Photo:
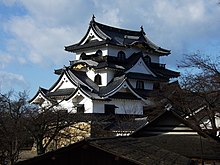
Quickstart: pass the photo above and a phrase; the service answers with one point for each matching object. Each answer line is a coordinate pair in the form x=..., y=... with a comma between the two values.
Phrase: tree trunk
x=40, y=148
x=12, y=161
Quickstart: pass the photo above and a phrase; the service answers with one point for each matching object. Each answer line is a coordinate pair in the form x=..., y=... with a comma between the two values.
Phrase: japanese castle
x=114, y=72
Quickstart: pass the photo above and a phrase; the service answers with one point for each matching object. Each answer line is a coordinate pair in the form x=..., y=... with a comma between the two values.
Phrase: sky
x=33, y=33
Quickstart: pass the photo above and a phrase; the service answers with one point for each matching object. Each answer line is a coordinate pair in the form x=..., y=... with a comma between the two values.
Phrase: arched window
x=121, y=55
x=99, y=53
x=147, y=59
x=139, y=84
x=98, y=79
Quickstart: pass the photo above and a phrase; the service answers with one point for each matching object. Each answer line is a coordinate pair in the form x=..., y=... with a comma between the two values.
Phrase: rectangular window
x=140, y=84
x=80, y=108
x=110, y=109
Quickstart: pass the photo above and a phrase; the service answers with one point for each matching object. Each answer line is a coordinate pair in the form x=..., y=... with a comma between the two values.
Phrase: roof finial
x=93, y=17
x=92, y=20
x=142, y=29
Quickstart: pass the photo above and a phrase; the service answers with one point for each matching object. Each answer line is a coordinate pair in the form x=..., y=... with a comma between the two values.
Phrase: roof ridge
x=116, y=28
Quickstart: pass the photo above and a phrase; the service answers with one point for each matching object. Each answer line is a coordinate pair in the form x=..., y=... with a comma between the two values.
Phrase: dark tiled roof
x=86, y=45
x=131, y=125
x=166, y=72
x=116, y=36
x=109, y=65
x=43, y=90
x=135, y=151
x=168, y=122
x=105, y=90
x=58, y=71
x=123, y=95
x=83, y=79
x=142, y=76
x=162, y=73
x=165, y=132
x=61, y=92
x=191, y=146
x=140, y=151
x=133, y=59
x=143, y=92
x=90, y=93
x=80, y=78
x=126, y=37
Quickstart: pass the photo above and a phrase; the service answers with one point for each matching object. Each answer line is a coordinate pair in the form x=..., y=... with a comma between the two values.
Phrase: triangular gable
x=167, y=123
x=121, y=94
x=39, y=97
x=90, y=36
x=124, y=85
x=84, y=92
x=140, y=67
x=63, y=82
x=76, y=93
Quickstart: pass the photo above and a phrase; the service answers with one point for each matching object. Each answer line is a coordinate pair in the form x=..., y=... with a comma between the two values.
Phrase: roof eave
x=75, y=48
x=41, y=91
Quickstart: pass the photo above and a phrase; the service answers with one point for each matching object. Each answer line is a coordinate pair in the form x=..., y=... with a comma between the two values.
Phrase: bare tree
x=13, y=136
x=45, y=124
x=50, y=123
x=20, y=122
x=198, y=96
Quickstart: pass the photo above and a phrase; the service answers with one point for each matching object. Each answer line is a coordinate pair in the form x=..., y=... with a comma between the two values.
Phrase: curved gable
x=63, y=82
x=39, y=97
x=90, y=36
x=140, y=67
x=120, y=87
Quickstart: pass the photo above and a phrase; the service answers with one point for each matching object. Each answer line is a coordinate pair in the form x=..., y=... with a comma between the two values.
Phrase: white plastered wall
x=98, y=106
x=68, y=105
x=107, y=76
x=80, y=98
x=124, y=106
x=128, y=52
x=113, y=51
x=107, y=50
x=88, y=105
x=154, y=58
x=91, y=74
x=129, y=106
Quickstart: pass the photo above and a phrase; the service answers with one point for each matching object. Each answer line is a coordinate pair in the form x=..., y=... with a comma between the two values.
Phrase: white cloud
x=182, y=26
x=42, y=45
x=5, y=59
x=8, y=2
x=36, y=38
x=59, y=12
x=21, y=60
x=50, y=25
x=11, y=81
